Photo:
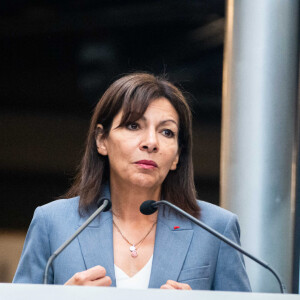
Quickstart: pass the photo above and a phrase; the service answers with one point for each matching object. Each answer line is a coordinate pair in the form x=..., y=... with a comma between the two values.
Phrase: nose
x=149, y=142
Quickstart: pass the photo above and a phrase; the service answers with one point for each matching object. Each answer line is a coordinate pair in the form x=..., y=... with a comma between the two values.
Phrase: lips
x=146, y=164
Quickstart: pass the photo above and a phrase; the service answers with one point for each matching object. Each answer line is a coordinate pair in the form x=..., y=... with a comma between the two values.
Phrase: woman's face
x=142, y=153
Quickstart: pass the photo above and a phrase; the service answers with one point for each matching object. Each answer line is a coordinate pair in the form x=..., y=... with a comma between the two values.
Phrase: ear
x=175, y=162
x=100, y=140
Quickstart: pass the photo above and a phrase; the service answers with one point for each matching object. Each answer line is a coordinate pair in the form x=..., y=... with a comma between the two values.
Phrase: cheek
x=118, y=153
x=170, y=156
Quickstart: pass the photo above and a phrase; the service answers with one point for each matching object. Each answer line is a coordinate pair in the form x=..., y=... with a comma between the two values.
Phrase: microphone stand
x=105, y=206
x=223, y=238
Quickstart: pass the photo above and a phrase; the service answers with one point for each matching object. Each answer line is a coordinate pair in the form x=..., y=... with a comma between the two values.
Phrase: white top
x=139, y=281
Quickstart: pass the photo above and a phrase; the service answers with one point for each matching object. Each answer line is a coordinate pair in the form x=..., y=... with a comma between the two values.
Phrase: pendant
x=133, y=251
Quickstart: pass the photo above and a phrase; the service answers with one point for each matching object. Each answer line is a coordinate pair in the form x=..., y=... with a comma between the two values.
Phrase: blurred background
x=58, y=57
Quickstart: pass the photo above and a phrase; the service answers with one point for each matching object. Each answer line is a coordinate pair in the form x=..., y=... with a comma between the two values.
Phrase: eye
x=168, y=133
x=132, y=126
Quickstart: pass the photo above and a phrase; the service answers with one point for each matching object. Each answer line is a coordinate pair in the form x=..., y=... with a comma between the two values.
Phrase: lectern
x=59, y=292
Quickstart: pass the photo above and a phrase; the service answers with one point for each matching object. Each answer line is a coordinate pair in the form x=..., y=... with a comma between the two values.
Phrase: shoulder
x=70, y=204
x=59, y=211
x=51, y=225
x=212, y=215
x=209, y=209
x=215, y=216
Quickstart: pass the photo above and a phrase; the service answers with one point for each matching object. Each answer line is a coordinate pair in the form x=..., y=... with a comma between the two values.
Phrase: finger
x=104, y=281
x=173, y=283
x=184, y=286
x=91, y=274
x=179, y=285
x=94, y=273
x=167, y=287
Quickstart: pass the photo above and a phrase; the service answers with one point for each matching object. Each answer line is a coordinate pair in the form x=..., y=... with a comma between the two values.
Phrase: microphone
x=150, y=206
x=103, y=204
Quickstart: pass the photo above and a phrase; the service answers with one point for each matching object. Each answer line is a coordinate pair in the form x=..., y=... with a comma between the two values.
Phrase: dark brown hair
x=133, y=93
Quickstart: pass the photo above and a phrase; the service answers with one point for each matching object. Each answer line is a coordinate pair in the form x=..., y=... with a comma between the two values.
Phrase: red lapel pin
x=176, y=227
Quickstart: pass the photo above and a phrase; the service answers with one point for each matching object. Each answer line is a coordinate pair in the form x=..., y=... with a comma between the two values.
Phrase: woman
x=138, y=148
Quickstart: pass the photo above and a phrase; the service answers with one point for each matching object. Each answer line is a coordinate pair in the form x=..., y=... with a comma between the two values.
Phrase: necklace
x=133, y=247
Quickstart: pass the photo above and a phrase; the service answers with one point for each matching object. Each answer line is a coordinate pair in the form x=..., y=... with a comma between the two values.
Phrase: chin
x=145, y=182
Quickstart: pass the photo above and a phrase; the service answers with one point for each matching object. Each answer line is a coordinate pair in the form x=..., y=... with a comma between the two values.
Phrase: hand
x=94, y=276
x=174, y=285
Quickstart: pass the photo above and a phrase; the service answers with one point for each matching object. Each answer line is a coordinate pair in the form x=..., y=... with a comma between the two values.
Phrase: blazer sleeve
x=36, y=252
x=230, y=272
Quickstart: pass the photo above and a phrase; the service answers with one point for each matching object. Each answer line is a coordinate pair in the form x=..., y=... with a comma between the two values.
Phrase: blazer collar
x=172, y=241
x=96, y=241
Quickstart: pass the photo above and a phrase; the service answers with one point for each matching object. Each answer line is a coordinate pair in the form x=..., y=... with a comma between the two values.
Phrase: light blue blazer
x=187, y=254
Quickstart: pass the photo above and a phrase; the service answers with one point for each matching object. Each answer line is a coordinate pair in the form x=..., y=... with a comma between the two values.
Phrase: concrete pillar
x=258, y=131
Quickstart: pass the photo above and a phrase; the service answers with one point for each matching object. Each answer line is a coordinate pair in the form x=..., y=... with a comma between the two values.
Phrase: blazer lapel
x=172, y=241
x=96, y=243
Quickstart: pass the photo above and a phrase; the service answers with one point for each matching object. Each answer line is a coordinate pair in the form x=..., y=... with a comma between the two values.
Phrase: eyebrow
x=143, y=118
